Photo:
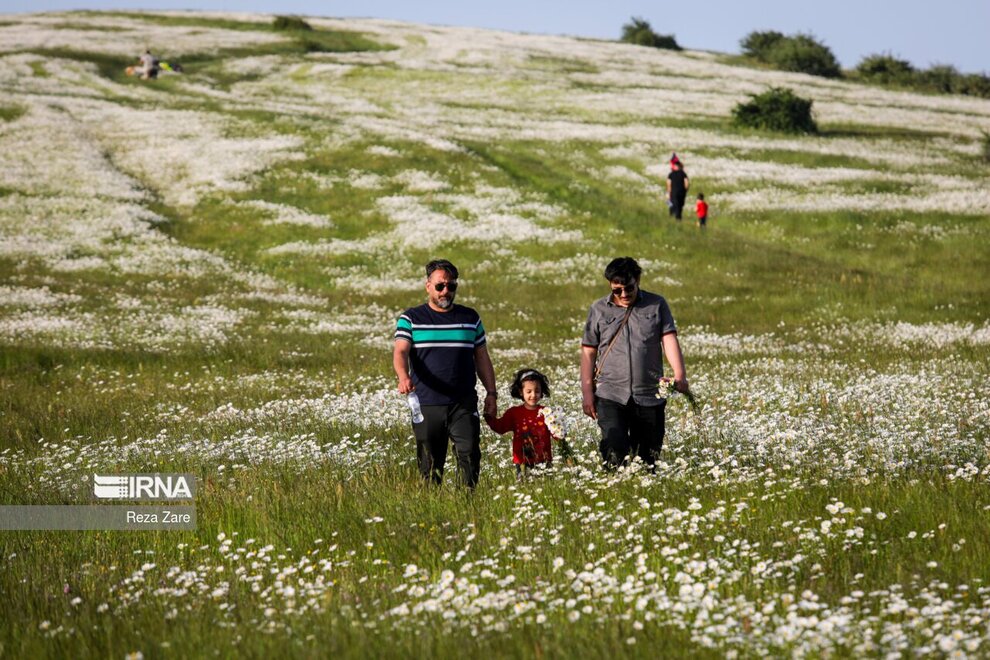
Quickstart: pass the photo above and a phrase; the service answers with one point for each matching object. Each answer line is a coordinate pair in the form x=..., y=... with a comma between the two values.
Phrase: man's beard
x=444, y=303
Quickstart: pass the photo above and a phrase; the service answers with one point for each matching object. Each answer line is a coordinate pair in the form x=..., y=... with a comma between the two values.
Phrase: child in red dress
x=701, y=209
x=531, y=440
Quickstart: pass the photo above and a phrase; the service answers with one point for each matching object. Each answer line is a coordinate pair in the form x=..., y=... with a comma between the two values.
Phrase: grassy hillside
x=202, y=273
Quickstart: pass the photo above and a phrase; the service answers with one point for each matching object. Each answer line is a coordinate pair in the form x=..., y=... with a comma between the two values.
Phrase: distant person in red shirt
x=701, y=210
x=531, y=440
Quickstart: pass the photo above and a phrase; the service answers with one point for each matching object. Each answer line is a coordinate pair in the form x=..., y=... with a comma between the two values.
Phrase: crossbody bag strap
x=601, y=360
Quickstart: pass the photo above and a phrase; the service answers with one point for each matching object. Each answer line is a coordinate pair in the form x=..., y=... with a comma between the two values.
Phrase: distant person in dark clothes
x=701, y=210
x=677, y=187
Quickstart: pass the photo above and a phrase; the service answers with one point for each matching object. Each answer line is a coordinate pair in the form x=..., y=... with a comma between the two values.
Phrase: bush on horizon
x=801, y=53
x=638, y=31
x=973, y=84
x=291, y=23
x=758, y=44
x=946, y=79
x=884, y=68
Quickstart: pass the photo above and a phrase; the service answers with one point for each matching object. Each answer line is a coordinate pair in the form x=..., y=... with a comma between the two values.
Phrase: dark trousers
x=458, y=423
x=677, y=204
x=630, y=428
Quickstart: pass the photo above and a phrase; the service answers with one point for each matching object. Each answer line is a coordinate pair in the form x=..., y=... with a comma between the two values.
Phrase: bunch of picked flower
x=557, y=424
x=666, y=388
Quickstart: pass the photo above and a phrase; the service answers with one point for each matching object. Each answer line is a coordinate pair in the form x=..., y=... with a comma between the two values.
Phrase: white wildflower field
x=202, y=274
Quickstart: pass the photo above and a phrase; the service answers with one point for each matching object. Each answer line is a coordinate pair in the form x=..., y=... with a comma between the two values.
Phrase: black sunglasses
x=440, y=286
x=629, y=288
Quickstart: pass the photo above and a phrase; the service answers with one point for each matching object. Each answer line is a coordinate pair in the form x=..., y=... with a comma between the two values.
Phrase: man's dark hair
x=441, y=264
x=528, y=374
x=623, y=270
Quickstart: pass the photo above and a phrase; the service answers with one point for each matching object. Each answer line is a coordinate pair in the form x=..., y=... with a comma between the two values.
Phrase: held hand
x=682, y=386
x=588, y=404
x=491, y=406
x=406, y=385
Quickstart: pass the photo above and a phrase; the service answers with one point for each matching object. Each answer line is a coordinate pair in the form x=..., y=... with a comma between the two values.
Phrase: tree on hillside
x=638, y=31
x=759, y=44
x=885, y=68
x=939, y=78
x=805, y=54
x=800, y=52
x=974, y=84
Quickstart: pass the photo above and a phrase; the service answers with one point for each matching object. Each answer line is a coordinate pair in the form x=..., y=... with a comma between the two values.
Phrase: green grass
x=296, y=43
x=90, y=27
x=786, y=157
x=421, y=526
x=562, y=64
x=306, y=40
x=109, y=66
x=11, y=112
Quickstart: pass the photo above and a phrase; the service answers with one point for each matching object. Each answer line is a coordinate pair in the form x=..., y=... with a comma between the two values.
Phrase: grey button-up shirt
x=635, y=363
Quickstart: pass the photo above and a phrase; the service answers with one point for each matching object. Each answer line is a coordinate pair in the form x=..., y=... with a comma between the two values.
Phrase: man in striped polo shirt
x=440, y=352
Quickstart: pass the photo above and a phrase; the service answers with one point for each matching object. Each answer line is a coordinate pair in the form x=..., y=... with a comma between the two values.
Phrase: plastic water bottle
x=414, y=407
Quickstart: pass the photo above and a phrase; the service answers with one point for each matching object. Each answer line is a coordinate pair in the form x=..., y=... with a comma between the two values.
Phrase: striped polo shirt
x=442, y=355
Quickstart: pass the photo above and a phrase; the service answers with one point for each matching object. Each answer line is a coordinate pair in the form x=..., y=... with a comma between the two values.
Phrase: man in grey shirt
x=622, y=362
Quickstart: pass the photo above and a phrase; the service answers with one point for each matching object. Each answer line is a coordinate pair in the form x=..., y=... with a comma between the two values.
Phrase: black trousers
x=629, y=428
x=457, y=423
x=677, y=204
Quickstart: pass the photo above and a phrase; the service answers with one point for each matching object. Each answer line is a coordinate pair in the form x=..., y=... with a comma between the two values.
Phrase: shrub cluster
x=291, y=23
x=805, y=54
x=777, y=109
x=885, y=69
x=758, y=44
x=313, y=40
x=889, y=70
x=801, y=52
x=638, y=31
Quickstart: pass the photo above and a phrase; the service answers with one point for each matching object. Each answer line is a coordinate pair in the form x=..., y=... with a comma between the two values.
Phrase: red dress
x=531, y=437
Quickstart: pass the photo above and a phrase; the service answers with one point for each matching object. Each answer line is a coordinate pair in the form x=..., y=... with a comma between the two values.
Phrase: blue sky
x=925, y=32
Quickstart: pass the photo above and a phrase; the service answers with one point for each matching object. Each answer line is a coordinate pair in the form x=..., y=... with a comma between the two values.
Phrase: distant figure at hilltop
x=149, y=67
x=677, y=187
